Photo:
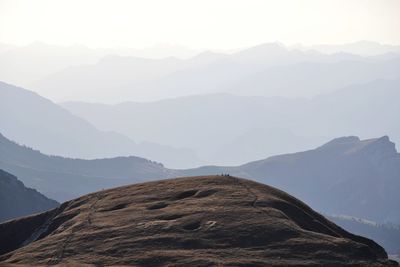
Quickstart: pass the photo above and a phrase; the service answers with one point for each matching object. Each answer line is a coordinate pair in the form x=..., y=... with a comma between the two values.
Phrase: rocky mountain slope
x=197, y=221
x=344, y=176
x=16, y=200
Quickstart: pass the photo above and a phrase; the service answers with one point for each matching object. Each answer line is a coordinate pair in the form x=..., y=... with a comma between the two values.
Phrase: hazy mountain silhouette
x=363, y=48
x=37, y=122
x=230, y=130
x=127, y=77
x=207, y=124
x=312, y=78
x=268, y=70
x=75, y=71
x=19, y=64
x=16, y=200
x=196, y=221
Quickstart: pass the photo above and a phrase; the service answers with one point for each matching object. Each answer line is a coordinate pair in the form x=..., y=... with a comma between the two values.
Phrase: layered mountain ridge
x=67, y=178
x=37, y=122
x=249, y=128
x=334, y=178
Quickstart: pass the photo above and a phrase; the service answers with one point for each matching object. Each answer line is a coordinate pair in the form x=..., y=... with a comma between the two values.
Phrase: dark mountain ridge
x=66, y=178
x=16, y=200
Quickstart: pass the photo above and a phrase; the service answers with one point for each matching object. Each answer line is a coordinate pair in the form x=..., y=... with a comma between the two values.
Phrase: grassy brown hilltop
x=195, y=221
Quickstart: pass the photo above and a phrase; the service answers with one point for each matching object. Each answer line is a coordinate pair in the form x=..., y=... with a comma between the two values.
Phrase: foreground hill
x=16, y=200
x=197, y=221
x=32, y=120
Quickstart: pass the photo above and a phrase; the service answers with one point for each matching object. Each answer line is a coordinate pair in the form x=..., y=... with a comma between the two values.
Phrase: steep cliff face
x=196, y=221
x=16, y=200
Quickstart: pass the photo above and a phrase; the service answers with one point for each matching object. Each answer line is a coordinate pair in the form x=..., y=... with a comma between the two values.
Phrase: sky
x=213, y=24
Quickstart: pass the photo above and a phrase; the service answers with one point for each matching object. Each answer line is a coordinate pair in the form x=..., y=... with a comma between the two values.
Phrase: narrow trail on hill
x=254, y=201
x=57, y=258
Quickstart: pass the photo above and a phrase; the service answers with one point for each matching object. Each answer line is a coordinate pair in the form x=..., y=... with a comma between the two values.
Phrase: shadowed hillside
x=65, y=178
x=16, y=200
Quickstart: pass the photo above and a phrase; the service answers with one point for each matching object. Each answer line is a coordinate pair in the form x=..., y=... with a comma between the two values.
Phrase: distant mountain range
x=212, y=125
x=18, y=64
x=192, y=131
x=363, y=48
x=115, y=75
x=37, y=122
x=16, y=200
x=228, y=129
x=264, y=70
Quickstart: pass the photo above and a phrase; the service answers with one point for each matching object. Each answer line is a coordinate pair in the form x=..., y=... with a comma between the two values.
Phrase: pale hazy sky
x=218, y=24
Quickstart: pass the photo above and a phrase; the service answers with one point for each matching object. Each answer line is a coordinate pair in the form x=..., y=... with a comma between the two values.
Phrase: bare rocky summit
x=195, y=221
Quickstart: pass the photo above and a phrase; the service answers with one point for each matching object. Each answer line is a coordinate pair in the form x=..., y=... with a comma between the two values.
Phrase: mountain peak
x=376, y=148
x=266, y=48
x=341, y=141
